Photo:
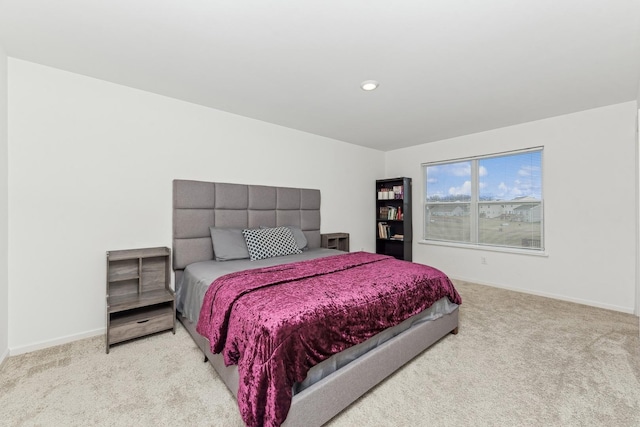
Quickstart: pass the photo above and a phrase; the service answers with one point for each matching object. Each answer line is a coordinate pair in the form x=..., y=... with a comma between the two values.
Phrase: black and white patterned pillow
x=270, y=242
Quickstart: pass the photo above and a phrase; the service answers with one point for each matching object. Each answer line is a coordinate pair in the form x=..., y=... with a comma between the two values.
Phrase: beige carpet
x=519, y=360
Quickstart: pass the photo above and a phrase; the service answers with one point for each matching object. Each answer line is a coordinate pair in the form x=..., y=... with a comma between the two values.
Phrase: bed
x=205, y=209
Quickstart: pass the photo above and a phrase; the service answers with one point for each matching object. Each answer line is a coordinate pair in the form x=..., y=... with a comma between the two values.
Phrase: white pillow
x=298, y=234
x=270, y=242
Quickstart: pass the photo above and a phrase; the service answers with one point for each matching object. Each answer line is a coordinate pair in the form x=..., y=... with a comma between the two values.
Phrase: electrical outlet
x=483, y=260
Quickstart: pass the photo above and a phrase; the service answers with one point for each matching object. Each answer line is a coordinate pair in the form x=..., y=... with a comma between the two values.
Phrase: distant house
x=512, y=210
x=491, y=210
x=529, y=213
x=520, y=209
x=446, y=210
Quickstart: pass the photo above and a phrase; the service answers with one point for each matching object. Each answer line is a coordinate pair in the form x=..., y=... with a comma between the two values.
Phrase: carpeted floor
x=519, y=360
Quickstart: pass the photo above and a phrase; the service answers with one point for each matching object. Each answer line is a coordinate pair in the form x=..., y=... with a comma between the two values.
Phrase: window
x=494, y=200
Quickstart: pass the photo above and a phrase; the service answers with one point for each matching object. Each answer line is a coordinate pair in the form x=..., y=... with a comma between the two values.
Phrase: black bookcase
x=394, y=233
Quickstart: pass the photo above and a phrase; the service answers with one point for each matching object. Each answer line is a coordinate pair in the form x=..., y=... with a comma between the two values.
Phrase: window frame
x=474, y=203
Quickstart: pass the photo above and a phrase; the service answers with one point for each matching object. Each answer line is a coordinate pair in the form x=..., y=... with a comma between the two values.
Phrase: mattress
x=198, y=276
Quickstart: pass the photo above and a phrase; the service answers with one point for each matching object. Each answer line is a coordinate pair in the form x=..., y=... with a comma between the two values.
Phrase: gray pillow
x=301, y=239
x=228, y=244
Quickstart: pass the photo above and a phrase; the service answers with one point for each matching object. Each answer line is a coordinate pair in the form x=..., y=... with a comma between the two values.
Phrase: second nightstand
x=339, y=241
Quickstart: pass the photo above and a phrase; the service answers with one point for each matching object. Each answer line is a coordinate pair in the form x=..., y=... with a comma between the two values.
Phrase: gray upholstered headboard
x=198, y=205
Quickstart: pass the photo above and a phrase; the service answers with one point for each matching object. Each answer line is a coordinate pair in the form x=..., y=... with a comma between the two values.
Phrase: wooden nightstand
x=140, y=300
x=339, y=241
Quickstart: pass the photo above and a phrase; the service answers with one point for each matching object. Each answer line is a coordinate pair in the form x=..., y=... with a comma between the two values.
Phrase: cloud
x=461, y=169
x=482, y=171
x=432, y=174
x=528, y=170
x=519, y=189
x=516, y=192
x=465, y=189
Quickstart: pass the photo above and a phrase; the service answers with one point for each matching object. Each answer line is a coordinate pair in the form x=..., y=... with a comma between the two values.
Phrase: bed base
x=320, y=402
x=198, y=205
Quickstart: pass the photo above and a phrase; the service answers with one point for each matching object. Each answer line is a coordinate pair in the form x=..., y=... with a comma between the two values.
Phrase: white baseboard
x=628, y=310
x=57, y=341
x=3, y=357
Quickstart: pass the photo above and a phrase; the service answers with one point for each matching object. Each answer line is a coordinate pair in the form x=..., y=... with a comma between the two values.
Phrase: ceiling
x=446, y=68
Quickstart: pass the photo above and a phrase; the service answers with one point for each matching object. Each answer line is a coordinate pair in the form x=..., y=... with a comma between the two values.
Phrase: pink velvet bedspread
x=277, y=322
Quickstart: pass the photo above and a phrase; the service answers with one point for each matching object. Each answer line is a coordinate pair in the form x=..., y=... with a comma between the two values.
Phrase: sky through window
x=505, y=177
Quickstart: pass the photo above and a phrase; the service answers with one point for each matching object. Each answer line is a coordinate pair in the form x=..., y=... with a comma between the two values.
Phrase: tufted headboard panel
x=198, y=205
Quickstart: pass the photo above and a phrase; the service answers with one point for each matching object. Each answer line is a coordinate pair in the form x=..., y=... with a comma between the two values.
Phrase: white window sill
x=471, y=246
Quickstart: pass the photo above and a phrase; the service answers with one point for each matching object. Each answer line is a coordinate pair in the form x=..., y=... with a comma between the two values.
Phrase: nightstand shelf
x=127, y=302
x=139, y=298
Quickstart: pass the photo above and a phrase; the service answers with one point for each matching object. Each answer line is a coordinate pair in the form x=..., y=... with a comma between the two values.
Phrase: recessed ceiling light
x=369, y=85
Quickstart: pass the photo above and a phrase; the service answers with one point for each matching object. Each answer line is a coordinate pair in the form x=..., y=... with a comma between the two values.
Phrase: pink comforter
x=277, y=322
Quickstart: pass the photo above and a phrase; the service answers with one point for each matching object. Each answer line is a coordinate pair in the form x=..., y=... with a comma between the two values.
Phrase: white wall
x=4, y=224
x=638, y=207
x=638, y=204
x=590, y=209
x=90, y=170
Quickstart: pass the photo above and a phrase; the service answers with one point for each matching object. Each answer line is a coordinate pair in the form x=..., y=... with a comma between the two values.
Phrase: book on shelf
x=398, y=191
x=383, y=212
x=397, y=237
x=393, y=213
x=390, y=212
x=384, y=230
